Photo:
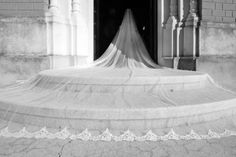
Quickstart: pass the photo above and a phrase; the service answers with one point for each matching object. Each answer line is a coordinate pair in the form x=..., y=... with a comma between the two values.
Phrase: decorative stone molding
x=191, y=31
x=67, y=32
x=53, y=7
x=75, y=6
x=76, y=12
x=180, y=32
x=174, y=8
x=169, y=49
x=180, y=26
x=192, y=19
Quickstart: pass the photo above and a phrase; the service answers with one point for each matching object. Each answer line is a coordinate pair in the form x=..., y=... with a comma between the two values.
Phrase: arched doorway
x=108, y=15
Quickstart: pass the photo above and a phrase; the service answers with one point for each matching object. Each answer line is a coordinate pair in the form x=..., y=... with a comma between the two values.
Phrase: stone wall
x=23, y=39
x=218, y=41
x=22, y=48
x=22, y=7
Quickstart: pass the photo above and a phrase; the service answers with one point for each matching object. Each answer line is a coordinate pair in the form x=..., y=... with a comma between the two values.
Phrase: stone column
x=180, y=28
x=169, y=31
x=191, y=30
x=53, y=10
x=179, y=34
x=188, y=58
x=75, y=29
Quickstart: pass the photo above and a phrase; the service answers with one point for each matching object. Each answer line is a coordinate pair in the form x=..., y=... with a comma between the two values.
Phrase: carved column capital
x=169, y=34
x=75, y=6
x=53, y=6
x=193, y=18
x=173, y=15
x=193, y=7
x=191, y=31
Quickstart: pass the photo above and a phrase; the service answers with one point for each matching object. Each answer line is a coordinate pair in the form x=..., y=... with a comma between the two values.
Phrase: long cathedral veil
x=127, y=48
x=123, y=89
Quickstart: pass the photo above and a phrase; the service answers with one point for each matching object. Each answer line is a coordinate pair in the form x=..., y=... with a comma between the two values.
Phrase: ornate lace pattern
x=107, y=135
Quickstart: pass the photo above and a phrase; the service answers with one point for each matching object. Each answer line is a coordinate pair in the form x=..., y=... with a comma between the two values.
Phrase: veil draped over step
x=124, y=89
x=127, y=49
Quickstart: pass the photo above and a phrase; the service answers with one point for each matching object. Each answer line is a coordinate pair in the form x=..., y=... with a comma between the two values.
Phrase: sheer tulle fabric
x=127, y=49
x=123, y=78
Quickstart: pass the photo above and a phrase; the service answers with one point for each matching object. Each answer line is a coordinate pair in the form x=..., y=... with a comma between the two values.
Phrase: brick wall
x=22, y=7
x=219, y=11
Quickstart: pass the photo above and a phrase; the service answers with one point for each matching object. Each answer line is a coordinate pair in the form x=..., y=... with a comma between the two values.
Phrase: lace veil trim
x=108, y=136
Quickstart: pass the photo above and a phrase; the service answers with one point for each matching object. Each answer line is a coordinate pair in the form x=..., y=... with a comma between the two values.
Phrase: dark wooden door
x=108, y=17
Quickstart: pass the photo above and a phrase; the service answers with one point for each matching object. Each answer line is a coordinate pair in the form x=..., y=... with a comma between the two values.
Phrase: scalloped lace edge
x=107, y=135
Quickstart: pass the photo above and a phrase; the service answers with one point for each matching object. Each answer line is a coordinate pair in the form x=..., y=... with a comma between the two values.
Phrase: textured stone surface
x=218, y=10
x=218, y=40
x=23, y=36
x=221, y=68
x=23, y=48
x=12, y=147
x=22, y=67
x=218, y=53
x=22, y=7
x=14, y=68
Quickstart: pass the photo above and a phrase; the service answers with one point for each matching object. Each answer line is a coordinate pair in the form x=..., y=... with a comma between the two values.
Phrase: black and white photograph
x=117, y=78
